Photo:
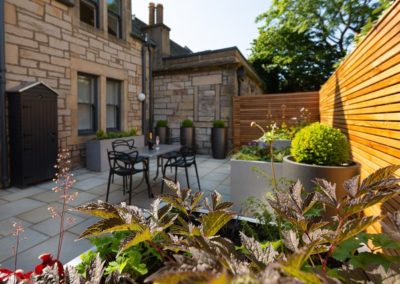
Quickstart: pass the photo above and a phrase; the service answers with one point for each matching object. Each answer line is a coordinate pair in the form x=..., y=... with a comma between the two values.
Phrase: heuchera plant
x=64, y=182
x=194, y=252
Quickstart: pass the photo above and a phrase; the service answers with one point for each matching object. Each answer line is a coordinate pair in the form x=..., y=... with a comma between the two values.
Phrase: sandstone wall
x=202, y=96
x=46, y=41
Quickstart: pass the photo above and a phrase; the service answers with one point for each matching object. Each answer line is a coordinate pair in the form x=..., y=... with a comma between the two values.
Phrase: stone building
x=197, y=86
x=85, y=51
x=98, y=58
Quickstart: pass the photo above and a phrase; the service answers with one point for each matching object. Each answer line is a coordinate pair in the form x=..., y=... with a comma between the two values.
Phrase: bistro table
x=162, y=149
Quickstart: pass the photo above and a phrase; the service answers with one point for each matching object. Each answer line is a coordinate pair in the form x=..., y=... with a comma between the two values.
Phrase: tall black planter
x=187, y=137
x=219, y=142
x=163, y=134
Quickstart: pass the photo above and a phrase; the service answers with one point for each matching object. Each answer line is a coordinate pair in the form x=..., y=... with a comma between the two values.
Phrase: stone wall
x=202, y=96
x=46, y=41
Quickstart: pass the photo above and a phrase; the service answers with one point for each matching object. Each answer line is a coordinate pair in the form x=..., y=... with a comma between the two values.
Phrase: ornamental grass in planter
x=320, y=151
x=187, y=132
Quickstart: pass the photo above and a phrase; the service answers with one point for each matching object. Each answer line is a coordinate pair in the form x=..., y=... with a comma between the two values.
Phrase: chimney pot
x=160, y=14
x=152, y=11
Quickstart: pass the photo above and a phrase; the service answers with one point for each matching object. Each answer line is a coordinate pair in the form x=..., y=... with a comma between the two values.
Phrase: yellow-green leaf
x=139, y=237
x=213, y=221
x=108, y=226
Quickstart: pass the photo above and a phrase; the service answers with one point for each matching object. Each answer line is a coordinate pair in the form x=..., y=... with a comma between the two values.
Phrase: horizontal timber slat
x=362, y=98
x=279, y=107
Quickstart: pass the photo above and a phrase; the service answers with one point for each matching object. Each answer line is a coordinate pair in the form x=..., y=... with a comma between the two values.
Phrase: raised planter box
x=247, y=182
x=96, y=152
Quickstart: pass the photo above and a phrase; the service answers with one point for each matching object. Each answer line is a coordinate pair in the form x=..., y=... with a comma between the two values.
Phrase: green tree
x=301, y=41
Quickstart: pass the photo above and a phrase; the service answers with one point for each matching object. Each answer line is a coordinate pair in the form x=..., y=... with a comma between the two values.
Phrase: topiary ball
x=320, y=144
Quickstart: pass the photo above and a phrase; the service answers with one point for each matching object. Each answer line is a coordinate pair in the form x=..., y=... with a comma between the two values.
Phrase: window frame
x=96, y=5
x=119, y=20
x=94, y=105
x=119, y=106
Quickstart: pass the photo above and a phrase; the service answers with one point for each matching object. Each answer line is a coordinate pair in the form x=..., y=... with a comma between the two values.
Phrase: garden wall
x=268, y=108
x=362, y=98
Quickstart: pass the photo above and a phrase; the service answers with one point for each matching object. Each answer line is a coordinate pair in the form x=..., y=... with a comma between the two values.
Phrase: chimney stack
x=160, y=14
x=152, y=11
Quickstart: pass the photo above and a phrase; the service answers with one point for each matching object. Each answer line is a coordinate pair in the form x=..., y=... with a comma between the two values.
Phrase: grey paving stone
x=47, y=185
x=224, y=189
x=2, y=201
x=216, y=177
x=83, y=197
x=83, y=176
x=47, y=196
x=17, y=207
x=102, y=189
x=88, y=183
x=6, y=226
x=38, y=214
x=70, y=249
x=51, y=226
x=28, y=239
x=24, y=193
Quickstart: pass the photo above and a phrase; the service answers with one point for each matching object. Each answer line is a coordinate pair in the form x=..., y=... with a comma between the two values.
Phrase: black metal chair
x=126, y=145
x=185, y=159
x=168, y=156
x=123, y=164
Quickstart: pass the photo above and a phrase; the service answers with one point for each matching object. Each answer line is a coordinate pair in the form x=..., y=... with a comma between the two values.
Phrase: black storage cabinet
x=32, y=133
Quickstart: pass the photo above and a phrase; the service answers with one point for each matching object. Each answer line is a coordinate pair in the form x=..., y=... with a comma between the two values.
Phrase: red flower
x=48, y=261
x=19, y=274
x=4, y=274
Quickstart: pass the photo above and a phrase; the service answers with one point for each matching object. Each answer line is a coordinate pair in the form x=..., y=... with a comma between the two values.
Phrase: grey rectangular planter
x=96, y=152
x=247, y=182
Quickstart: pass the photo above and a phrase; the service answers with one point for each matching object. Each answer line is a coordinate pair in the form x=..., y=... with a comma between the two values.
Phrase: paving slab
x=83, y=197
x=71, y=248
x=51, y=226
x=28, y=239
x=82, y=226
x=6, y=226
x=39, y=214
x=88, y=183
x=22, y=193
x=47, y=196
x=17, y=207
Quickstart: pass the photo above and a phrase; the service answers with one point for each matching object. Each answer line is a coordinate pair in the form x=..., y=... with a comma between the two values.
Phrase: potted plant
x=320, y=151
x=96, y=149
x=187, y=133
x=219, y=139
x=162, y=131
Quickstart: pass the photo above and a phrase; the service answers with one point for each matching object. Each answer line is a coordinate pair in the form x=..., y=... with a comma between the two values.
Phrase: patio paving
x=29, y=207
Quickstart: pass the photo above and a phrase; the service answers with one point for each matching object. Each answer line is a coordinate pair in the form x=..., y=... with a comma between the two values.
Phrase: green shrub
x=162, y=123
x=100, y=134
x=219, y=124
x=320, y=144
x=187, y=123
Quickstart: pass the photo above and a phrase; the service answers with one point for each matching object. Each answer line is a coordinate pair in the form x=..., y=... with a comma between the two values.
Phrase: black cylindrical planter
x=163, y=134
x=187, y=136
x=219, y=142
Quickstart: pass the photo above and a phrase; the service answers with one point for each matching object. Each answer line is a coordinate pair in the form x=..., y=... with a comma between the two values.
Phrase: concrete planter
x=307, y=173
x=96, y=152
x=219, y=142
x=187, y=136
x=163, y=134
x=246, y=182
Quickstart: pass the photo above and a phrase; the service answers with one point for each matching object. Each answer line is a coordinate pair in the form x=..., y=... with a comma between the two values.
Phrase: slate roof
x=176, y=49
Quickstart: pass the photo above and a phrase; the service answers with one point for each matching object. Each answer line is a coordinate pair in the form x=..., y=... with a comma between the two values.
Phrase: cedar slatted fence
x=279, y=107
x=362, y=98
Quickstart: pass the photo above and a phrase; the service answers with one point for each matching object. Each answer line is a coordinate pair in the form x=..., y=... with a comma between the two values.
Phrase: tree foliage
x=301, y=41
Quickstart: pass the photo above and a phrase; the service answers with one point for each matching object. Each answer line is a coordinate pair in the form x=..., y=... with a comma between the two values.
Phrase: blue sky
x=209, y=24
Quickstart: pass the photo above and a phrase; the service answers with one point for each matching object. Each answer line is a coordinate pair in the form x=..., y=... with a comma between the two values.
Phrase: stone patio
x=30, y=208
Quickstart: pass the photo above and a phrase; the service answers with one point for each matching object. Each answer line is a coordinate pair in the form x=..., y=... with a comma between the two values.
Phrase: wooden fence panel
x=269, y=108
x=362, y=98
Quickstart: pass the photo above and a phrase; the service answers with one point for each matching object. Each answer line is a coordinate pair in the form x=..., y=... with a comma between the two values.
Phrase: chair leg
x=197, y=176
x=176, y=173
x=187, y=177
x=162, y=182
x=151, y=195
x=108, y=186
x=130, y=189
x=123, y=184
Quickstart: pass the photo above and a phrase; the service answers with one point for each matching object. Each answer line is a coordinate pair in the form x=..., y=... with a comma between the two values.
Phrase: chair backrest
x=122, y=160
x=188, y=154
x=122, y=144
